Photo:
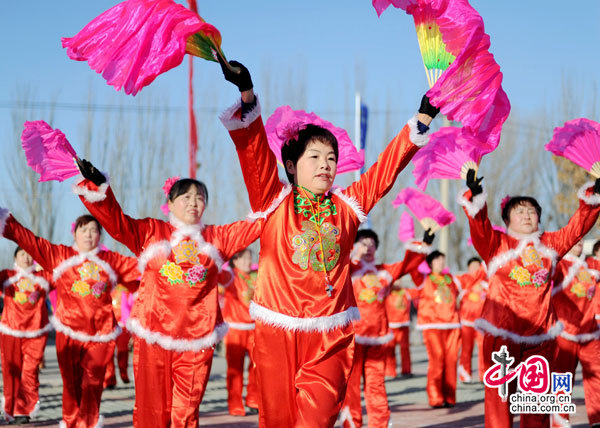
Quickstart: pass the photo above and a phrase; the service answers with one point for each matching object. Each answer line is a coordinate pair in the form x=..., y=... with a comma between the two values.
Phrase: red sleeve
x=380, y=177
x=579, y=225
x=234, y=237
x=3, y=278
x=45, y=253
x=127, y=271
x=259, y=164
x=102, y=204
x=411, y=261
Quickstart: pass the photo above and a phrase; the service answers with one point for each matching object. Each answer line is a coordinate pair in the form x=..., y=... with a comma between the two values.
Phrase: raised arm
x=234, y=237
x=127, y=271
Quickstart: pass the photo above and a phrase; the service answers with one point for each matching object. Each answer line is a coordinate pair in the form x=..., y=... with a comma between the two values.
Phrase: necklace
x=316, y=213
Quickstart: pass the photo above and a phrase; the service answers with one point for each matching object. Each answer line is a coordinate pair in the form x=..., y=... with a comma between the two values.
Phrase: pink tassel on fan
x=285, y=124
x=579, y=141
x=48, y=152
x=406, y=228
x=429, y=212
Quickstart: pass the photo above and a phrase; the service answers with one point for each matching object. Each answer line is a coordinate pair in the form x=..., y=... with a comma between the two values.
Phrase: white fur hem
x=581, y=338
x=352, y=203
x=485, y=326
x=25, y=334
x=82, y=337
x=232, y=123
x=438, y=326
x=4, y=213
x=592, y=199
x=373, y=341
x=320, y=324
x=465, y=323
x=286, y=190
x=399, y=324
x=417, y=139
x=417, y=247
x=473, y=207
x=90, y=195
x=558, y=420
x=241, y=325
x=179, y=345
x=463, y=375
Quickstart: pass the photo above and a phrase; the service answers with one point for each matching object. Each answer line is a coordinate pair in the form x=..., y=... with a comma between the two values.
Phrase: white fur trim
x=484, y=325
x=27, y=273
x=473, y=207
x=438, y=326
x=501, y=259
x=418, y=247
x=398, y=324
x=83, y=337
x=100, y=423
x=36, y=410
x=80, y=258
x=581, y=338
x=593, y=199
x=62, y=424
x=286, y=322
x=26, y=334
x=373, y=341
x=286, y=190
x=462, y=373
x=352, y=203
x=178, y=345
x=231, y=123
x=241, y=325
x=465, y=323
x=346, y=416
x=417, y=139
x=557, y=420
x=90, y=195
x=576, y=264
x=7, y=417
x=365, y=267
x=160, y=248
x=4, y=213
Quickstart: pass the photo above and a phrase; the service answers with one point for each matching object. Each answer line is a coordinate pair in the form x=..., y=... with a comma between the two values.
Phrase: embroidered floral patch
x=584, y=276
x=540, y=277
x=34, y=297
x=25, y=284
x=473, y=297
x=530, y=256
x=195, y=274
x=578, y=289
x=521, y=275
x=186, y=251
x=367, y=295
x=20, y=297
x=89, y=270
x=98, y=288
x=591, y=291
x=323, y=209
x=250, y=280
x=399, y=300
x=308, y=246
x=81, y=287
x=172, y=272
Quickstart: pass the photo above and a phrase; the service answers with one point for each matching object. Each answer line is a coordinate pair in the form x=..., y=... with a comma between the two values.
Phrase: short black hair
x=432, y=256
x=294, y=148
x=17, y=251
x=473, y=260
x=240, y=254
x=82, y=220
x=596, y=247
x=367, y=233
x=182, y=186
x=520, y=200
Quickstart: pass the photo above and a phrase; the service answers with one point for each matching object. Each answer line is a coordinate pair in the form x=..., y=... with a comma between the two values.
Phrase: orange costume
x=304, y=340
x=517, y=311
x=84, y=322
x=122, y=302
x=573, y=300
x=437, y=317
x=176, y=320
x=371, y=285
x=472, y=297
x=24, y=331
x=239, y=341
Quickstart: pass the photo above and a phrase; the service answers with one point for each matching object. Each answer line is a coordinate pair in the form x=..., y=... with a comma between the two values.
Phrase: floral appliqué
x=89, y=270
x=399, y=299
x=98, y=288
x=584, y=286
x=521, y=275
x=530, y=256
x=20, y=297
x=540, y=277
x=250, y=281
x=442, y=294
x=172, y=272
x=24, y=286
x=195, y=274
x=89, y=273
x=81, y=287
x=307, y=208
x=186, y=251
x=374, y=290
x=308, y=248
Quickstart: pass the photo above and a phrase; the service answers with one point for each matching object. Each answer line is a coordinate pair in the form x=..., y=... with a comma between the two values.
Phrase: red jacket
x=238, y=295
x=472, y=297
x=438, y=297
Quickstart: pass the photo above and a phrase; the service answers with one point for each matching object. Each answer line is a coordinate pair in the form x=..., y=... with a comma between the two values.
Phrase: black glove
x=242, y=79
x=597, y=186
x=427, y=108
x=90, y=172
x=473, y=183
x=428, y=237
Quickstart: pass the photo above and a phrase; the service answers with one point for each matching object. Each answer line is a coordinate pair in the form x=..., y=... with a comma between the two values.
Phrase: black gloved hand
x=242, y=79
x=597, y=186
x=474, y=183
x=90, y=172
x=428, y=237
x=427, y=108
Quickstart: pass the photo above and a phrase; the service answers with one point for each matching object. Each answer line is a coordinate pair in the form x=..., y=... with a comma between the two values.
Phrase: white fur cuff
x=417, y=139
x=418, y=247
x=473, y=207
x=232, y=123
x=91, y=195
x=593, y=199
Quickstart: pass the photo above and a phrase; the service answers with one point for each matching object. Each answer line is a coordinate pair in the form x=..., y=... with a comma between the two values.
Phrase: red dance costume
x=472, y=297
x=372, y=336
x=24, y=331
x=437, y=317
x=239, y=341
x=176, y=320
x=573, y=299
x=122, y=303
x=84, y=322
x=304, y=340
x=517, y=311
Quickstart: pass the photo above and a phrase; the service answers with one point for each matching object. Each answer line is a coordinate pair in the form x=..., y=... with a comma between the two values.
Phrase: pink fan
x=406, y=228
x=450, y=155
x=135, y=41
x=48, y=152
x=285, y=124
x=498, y=228
x=429, y=212
x=578, y=141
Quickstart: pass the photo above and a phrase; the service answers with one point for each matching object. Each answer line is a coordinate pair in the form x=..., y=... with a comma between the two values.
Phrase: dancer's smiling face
x=316, y=168
x=189, y=206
